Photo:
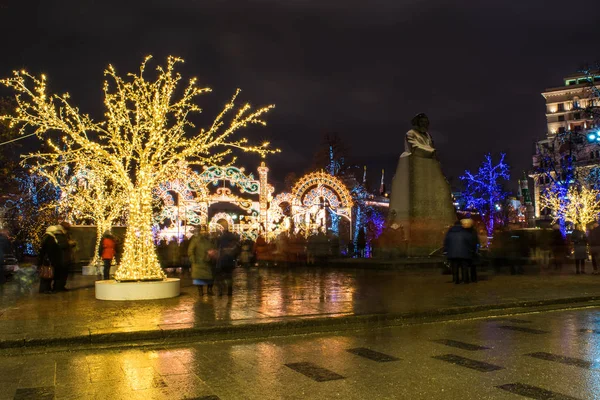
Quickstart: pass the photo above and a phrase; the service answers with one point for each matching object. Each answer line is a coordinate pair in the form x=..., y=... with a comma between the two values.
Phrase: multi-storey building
x=572, y=138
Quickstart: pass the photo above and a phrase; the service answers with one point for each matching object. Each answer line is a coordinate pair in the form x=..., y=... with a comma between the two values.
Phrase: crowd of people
x=212, y=258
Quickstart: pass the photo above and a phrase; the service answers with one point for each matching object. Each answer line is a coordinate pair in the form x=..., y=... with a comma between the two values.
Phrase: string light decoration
x=141, y=142
x=86, y=197
x=307, y=193
x=581, y=205
x=484, y=189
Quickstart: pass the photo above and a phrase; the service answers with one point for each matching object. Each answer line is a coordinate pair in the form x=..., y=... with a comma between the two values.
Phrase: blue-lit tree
x=484, y=190
x=31, y=210
x=331, y=157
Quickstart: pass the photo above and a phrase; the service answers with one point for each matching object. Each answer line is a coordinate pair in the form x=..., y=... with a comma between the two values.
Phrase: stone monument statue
x=421, y=200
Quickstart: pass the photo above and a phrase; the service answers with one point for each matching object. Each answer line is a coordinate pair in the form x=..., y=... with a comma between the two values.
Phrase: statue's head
x=420, y=122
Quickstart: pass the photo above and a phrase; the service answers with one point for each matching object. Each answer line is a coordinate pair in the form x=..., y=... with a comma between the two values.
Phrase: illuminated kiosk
x=140, y=290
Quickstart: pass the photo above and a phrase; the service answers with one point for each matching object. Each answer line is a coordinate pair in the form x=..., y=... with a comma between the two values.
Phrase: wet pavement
x=468, y=359
x=265, y=297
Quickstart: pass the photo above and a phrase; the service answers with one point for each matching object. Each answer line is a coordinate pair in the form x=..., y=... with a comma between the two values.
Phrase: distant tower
x=382, y=185
x=526, y=201
x=365, y=175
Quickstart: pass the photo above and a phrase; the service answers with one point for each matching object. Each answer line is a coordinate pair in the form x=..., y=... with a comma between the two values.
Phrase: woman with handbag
x=51, y=258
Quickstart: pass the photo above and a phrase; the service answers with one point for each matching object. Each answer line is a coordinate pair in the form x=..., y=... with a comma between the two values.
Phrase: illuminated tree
x=581, y=205
x=483, y=190
x=86, y=197
x=139, y=144
x=31, y=210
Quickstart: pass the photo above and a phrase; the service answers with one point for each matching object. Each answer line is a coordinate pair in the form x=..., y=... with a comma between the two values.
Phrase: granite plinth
x=421, y=203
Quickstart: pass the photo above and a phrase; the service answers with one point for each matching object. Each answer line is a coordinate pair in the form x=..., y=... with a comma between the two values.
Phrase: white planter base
x=90, y=270
x=152, y=290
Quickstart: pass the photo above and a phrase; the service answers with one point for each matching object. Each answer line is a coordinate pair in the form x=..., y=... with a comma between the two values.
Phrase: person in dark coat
x=60, y=279
x=594, y=240
x=54, y=246
x=579, y=240
x=228, y=250
x=459, y=248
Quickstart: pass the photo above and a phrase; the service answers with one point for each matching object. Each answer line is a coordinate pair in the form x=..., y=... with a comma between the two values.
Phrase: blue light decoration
x=593, y=137
x=483, y=190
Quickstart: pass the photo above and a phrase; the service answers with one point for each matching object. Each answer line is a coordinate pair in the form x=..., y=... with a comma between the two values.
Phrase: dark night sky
x=359, y=68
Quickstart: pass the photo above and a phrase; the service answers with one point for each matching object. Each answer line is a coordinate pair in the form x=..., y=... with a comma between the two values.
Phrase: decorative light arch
x=306, y=201
x=214, y=225
x=199, y=190
x=317, y=179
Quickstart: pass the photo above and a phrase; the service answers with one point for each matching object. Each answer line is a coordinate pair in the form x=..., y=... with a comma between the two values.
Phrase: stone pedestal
x=421, y=203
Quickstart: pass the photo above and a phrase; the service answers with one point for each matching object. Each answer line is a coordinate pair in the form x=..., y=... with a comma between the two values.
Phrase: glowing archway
x=317, y=196
x=214, y=225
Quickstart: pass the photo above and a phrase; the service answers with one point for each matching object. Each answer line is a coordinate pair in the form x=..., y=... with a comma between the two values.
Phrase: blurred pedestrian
x=459, y=248
x=468, y=226
x=579, y=240
x=184, y=260
x=108, y=250
x=246, y=253
x=199, y=255
x=558, y=247
x=262, y=251
x=52, y=252
x=228, y=251
x=544, y=248
x=594, y=240
x=311, y=249
x=173, y=253
x=4, y=251
x=60, y=280
x=361, y=243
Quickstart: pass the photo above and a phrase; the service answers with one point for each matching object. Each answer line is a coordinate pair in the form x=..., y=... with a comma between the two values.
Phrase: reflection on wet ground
x=268, y=295
x=414, y=362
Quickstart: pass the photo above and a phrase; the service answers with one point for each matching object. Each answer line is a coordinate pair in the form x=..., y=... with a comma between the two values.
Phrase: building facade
x=572, y=138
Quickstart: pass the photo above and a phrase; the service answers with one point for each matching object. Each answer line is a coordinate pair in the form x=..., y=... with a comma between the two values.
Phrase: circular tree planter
x=149, y=290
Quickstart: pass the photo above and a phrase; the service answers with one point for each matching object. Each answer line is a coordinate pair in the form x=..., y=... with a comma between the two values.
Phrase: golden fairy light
x=579, y=206
x=140, y=143
x=86, y=197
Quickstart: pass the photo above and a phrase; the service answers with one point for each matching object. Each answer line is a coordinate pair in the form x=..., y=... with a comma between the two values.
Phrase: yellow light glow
x=581, y=205
x=140, y=143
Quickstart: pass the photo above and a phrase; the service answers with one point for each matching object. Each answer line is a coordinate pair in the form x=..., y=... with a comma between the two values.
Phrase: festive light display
x=313, y=197
x=581, y=205
x=140, y=143
x=87, y=197
x=483, y=190
x=316, y=193
x=194, y=193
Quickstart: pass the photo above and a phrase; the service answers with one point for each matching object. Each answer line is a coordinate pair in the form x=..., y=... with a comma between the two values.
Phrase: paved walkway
x=268, y=297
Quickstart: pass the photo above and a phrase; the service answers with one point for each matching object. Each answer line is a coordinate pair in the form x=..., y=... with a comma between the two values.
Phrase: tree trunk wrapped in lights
x=140, y=143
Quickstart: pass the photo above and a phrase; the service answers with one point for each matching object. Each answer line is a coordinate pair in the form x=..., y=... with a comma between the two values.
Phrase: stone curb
x=274, y=326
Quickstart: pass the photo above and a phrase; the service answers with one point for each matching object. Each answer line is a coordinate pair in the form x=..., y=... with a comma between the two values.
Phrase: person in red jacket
x=108, y=250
